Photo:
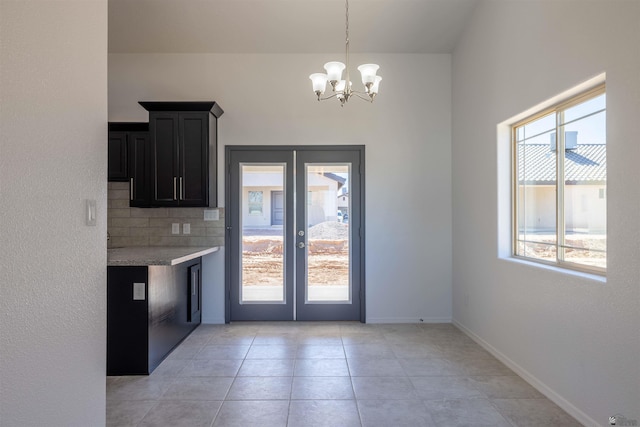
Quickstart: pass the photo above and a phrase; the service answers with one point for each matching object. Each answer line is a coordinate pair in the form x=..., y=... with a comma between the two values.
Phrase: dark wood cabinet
x=183, y=153
x=139, y=169
x=150, y=310
x=195, y=290
x=129, y=159
x=117, y=170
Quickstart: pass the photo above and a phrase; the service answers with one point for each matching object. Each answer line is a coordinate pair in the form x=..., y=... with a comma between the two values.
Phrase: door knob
x=301, y=245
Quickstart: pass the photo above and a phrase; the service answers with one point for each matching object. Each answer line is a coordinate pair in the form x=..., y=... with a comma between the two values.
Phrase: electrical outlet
x=211, y=214
x=186, y=228
x=175, y=228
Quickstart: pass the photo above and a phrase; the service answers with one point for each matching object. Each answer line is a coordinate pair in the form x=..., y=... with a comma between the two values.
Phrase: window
x=560, y=174
x=255, y=202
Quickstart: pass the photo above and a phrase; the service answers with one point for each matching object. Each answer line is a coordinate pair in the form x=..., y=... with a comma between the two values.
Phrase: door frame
x=358, y=237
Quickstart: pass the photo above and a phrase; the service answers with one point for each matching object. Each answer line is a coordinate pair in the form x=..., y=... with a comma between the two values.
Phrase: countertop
x=155, y=255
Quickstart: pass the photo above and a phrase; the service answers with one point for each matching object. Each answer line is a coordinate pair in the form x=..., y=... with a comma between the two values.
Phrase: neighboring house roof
x=587, y=164
x=335, y=177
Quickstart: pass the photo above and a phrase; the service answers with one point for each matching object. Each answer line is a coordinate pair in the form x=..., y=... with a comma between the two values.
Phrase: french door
x=295, y=241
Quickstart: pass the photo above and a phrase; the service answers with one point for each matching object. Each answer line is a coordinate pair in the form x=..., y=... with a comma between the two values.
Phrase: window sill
x=589, y=276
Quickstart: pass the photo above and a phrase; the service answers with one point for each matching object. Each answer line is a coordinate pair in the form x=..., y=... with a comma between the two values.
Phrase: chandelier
x=342, y=88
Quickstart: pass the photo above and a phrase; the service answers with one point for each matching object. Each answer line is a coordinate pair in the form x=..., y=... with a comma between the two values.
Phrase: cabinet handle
x=130, y=188
x=193, y=283
x=181, y=188
x=174, y=188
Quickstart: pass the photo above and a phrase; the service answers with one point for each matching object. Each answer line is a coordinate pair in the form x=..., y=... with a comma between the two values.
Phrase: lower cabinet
x=150, y=310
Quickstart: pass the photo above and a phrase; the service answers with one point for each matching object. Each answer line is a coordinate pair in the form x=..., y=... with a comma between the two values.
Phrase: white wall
x=268, y=101
x=573, y=336
x=53, y=127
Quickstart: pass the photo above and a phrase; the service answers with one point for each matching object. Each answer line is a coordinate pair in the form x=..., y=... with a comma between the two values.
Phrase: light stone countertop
x=155, y=255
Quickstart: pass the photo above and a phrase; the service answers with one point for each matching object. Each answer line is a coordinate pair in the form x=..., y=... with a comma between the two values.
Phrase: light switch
x=138, y=292
x=175, y=228
x=186, y=228
x=91, y=212
x=211, y=214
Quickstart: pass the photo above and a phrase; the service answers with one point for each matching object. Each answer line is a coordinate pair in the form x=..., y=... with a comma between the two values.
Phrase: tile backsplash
x=152, y=226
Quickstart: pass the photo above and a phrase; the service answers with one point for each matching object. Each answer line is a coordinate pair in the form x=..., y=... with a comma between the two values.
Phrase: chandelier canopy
x=341, y=89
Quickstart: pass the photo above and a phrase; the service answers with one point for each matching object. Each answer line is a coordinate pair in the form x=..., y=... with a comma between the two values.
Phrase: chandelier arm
x=328, y=97
x=357, y=94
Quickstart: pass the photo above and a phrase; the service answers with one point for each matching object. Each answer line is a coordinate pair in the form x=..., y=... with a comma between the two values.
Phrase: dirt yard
x=592, y=254
x=328, y=245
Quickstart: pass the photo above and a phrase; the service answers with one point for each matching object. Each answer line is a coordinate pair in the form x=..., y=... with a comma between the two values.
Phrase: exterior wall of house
x=321, y=198
x=584, y=208
x=406, y=131
x=343, y=203
x=255, y=218
x=53, y=157
x=572, y=335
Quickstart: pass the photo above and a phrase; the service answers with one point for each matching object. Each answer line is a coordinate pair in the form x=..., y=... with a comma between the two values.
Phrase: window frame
x=556, y=109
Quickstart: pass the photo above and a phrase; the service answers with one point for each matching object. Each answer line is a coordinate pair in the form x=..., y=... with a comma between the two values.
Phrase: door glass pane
x=262, y=222
x=328, y=208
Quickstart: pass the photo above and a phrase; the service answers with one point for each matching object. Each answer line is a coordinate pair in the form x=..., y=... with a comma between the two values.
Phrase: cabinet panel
x=117, y=156
x=164, y=145
x=194, y=162
x=194, y=290
x=139, y=169
x=127, y=330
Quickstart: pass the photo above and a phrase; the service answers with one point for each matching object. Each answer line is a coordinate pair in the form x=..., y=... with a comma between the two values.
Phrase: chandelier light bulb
x=334, y=70
x=341, y=86
x=319, y=82
x=374, y=87
x=368, y=72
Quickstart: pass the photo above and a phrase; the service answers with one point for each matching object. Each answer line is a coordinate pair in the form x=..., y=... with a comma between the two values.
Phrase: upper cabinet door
x=139, y=169
x=118, y=156
x=194, y=159
x=164, y=158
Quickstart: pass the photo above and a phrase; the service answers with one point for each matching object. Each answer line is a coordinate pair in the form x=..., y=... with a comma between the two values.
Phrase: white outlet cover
x=175, y=228
x=211, y=214
x=186, y=228
x=138, y=291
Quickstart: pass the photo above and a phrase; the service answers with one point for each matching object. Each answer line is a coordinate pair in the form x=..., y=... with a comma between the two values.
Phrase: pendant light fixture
x=342, y=88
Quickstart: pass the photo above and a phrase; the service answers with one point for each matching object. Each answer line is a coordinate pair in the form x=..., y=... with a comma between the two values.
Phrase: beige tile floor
x=335, y=374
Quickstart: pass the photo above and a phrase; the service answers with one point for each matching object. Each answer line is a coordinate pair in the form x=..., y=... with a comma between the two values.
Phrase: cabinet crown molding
x=210, y=106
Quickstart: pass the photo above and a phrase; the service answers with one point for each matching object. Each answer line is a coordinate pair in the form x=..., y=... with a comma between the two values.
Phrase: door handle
x=301, y=245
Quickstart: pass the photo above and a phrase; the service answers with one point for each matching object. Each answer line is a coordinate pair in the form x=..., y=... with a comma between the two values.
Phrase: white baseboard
x=213, y=320
x=408, y=319
x=532, y=380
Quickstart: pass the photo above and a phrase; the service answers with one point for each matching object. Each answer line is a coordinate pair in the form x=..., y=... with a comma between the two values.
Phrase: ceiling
x=285, y=26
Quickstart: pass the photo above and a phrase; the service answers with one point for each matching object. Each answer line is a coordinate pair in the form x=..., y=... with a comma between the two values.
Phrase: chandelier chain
x=347, y=21
x=347, y=88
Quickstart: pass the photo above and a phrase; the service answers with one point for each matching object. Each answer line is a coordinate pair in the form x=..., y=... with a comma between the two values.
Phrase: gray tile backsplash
x=152, y=227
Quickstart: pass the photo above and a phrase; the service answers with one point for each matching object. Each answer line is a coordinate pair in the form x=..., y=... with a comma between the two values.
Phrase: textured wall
x=575, y=337
x=268, y=101
x=53, y=123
